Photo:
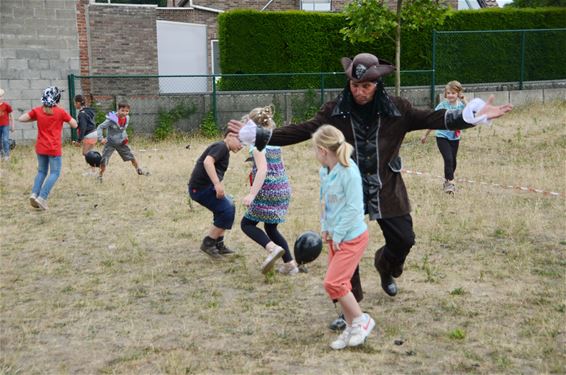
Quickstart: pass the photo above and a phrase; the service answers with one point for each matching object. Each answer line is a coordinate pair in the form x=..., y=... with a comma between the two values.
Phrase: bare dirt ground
x=110, y=279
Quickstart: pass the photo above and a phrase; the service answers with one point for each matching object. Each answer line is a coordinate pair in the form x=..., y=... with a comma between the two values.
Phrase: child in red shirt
x=6, y=124
x=50, y=119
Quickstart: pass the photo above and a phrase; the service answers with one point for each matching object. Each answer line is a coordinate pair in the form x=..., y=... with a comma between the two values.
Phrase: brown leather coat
x=385, y=194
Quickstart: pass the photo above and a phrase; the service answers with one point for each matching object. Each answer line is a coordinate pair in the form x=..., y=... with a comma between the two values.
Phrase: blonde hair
x=332, y=139
x=2, y=92
x=456, y=87
x=262, y=116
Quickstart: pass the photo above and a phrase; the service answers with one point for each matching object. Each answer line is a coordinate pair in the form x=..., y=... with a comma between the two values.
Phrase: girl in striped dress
x=268, y=199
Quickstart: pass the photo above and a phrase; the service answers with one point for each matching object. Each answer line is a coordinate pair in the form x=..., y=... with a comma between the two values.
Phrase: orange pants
x=342, y=264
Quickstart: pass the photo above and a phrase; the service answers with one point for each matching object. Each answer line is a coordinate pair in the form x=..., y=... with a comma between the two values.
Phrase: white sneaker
x=32, y=201
x=361, y=328
x=42, y=203
x=269, y=262
x=343, y=340
x=289, y=268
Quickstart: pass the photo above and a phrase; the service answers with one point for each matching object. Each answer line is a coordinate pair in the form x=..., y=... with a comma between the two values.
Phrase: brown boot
x=383, y=266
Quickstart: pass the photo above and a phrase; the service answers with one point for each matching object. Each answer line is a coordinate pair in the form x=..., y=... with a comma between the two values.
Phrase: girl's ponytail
x=343, y=152
x=332, y=139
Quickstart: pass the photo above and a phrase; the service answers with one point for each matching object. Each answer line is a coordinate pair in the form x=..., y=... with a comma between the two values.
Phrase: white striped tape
x=513, y=187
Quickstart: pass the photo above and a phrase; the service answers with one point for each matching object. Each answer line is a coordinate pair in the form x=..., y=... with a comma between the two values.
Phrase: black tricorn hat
x=366, y=67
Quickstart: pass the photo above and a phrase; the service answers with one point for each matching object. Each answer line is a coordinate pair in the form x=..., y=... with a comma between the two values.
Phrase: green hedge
x=295, y=41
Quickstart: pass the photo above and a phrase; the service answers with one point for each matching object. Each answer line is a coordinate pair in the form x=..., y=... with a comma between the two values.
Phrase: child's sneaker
x=99, y=179
x=361, y=328
x=269, y=262
x=343, y=340
x=42, y=203
x=209, y=247
x=289, y=268
x=449, y=187
x=223, y=249
x=338, y=324
x=33, y=201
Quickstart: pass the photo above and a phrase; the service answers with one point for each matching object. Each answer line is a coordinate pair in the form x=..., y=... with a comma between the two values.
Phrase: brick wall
x=123, y=40
x=83, y=44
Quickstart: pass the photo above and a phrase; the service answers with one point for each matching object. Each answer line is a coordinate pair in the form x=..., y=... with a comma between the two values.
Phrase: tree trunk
x=398, y=50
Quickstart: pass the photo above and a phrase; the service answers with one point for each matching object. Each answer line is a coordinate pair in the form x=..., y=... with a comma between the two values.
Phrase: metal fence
x=498, y=56
x=214, y=98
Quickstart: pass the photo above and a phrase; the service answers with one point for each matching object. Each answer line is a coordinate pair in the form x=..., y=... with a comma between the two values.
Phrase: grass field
x=110, y=279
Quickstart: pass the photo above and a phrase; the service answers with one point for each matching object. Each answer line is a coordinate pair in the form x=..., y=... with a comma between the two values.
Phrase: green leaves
x=367, y=20
x=418, y=14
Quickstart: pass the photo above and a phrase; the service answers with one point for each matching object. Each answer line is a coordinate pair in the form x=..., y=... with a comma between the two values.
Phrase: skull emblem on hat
x=360, y=71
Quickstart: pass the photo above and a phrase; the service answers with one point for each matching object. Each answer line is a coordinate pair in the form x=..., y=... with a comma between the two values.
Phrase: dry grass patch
x=110, y=279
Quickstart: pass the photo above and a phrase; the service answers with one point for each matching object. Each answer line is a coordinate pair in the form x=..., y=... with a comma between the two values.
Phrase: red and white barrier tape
x=513, y=187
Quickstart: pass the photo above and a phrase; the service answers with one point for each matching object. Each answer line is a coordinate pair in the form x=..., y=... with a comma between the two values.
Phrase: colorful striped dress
x=272, y=201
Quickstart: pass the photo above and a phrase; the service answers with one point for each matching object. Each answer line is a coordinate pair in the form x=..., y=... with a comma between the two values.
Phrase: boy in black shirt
x=206, y=188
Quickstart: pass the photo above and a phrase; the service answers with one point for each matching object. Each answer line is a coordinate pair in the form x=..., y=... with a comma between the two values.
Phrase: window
x=161, y=3
x=215, y=56
x=316, y=5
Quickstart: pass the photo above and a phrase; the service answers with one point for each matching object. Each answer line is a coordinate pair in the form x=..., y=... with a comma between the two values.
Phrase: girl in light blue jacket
x=343, y=228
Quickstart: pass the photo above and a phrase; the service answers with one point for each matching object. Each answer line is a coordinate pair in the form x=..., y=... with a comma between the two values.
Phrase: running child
x=50, y=119
x=206, y=188
x=449, y=140
x=117, y=139
x=268, y=199
x=6, y=126
x=87, y=134
x=343, y=228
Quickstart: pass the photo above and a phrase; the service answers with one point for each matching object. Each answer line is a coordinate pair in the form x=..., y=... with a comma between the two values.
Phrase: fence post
x=214, y=100
x=72, y=110
x=522, y=74
x=433, y=73
x=321, y=88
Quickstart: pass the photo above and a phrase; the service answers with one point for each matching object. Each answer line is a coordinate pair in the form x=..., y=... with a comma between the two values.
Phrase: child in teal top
x=448, y=141
x=343, y=228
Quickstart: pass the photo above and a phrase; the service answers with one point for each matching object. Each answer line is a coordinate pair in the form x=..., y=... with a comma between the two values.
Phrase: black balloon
x=308, y=247
x=93, y=158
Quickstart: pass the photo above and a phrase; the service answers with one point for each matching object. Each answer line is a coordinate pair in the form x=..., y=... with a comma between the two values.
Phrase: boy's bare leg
x=215, y=232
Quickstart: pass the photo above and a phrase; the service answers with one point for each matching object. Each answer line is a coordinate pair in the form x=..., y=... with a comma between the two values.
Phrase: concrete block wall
x=38, y=48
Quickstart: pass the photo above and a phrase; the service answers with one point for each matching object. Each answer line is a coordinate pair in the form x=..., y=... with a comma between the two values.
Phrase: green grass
x=110, y=280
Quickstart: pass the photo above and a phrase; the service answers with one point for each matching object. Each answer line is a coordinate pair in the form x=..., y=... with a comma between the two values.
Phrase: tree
x=368, y=20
